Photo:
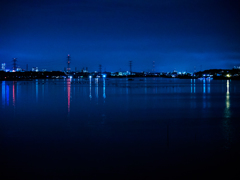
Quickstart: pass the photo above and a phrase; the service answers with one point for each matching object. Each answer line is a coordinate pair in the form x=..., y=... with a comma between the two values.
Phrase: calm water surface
x=146, y=127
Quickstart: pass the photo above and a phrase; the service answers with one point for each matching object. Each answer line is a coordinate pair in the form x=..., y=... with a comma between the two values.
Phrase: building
x=35, y=69
x=236, y=67
x=19, y=69
x=3, y=66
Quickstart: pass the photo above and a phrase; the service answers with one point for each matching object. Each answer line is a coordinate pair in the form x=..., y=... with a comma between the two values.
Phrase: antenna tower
x=68, y=63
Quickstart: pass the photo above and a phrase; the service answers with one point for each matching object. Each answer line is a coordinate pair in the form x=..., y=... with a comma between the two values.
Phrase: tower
x=14, y=64
x=68, y=63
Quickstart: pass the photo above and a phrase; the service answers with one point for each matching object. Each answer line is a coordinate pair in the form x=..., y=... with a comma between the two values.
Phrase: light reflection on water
x=204, y=94
x=194, y=86
x=209, y=87
x=204, y=85
x=69, y=93
x=127, y=89
x=227, y=129
x=96, y=87
x=148, y=116
x=3, y=93
x=43, y=87
x=36, y=90
x=14, y=94
x=90, y=88
x=104, y=88
x=191, y=86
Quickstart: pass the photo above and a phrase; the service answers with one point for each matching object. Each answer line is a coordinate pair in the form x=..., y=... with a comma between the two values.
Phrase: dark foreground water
x=145, y=128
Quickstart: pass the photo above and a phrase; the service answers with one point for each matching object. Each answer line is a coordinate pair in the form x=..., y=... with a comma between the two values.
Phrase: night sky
x=177, y=35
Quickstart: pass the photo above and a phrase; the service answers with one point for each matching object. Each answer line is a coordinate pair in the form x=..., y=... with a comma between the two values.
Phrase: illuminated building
x=236, y=67
x=35, y=69
x=19, y=69
x=3, y=66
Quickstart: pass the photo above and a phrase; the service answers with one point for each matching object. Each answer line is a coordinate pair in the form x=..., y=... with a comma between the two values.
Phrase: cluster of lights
x=104, y=76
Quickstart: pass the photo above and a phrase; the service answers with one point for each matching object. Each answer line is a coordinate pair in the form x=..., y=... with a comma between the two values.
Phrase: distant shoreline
x=216, y=74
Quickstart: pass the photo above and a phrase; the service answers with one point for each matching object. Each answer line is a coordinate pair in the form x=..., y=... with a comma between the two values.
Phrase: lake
x=146, y=127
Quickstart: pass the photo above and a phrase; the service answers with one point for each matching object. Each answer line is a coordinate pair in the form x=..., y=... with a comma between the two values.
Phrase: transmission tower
x=130, y=66
x=68, y=63
x=14, y=64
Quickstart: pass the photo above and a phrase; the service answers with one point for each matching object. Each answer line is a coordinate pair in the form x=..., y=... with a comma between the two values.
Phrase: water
x=96, y=127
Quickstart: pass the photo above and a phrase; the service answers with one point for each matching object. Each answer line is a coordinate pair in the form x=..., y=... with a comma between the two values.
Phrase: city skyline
x=175, y=35
x=14, y=68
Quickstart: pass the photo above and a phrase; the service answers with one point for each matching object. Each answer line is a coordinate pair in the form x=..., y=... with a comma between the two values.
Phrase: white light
x=90, y=77
x=227, y=86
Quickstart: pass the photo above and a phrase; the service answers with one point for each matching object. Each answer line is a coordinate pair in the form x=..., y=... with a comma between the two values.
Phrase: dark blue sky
x=175, y=34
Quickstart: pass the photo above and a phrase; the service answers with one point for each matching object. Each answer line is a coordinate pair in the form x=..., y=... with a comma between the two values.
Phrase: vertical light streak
x=3, y=93
x=204, y=85
x=42, y=87
x=127, y=86
x=191, y=86
x=7, y=88
x=204, y=95
x=96, y=87
x=14, y=93
x=227, y=130
x=209, y=90
x=69, y=93
x=36, y=90
x=227, y=86
x=90, y=87
x=227, y=112
x=104, y=87
x=194, y=89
